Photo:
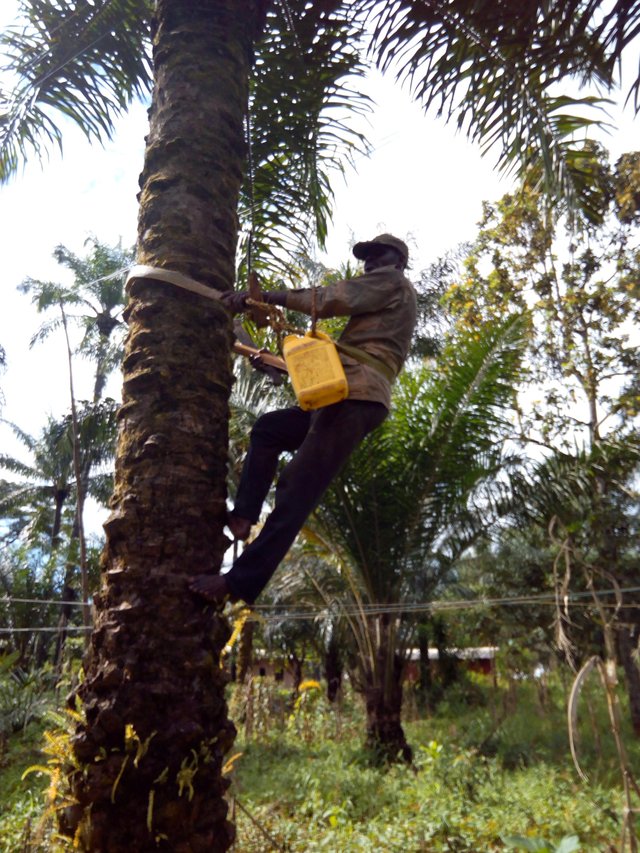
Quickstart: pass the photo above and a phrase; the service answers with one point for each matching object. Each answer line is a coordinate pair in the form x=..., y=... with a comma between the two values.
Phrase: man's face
x=380, y=255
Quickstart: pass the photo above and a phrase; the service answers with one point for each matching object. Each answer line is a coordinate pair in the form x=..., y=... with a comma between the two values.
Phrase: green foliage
x=303, y=100
x=87, y=63
x=84, y=61
x=324, y=794
x=305, y=780
x=21, y=803
x=494, y=69
x=24, y=695
x=408, y=502
x=578, y=287
x=41, y=501
x=93, y=302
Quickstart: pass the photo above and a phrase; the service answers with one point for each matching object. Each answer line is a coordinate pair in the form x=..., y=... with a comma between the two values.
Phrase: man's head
x=384, y=250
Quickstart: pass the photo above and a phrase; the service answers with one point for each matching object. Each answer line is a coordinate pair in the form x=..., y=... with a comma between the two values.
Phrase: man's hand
x=235, y=302
x=258, y=364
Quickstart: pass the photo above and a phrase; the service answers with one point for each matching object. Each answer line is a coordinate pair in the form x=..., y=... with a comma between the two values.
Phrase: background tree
x=581, y=287
x=34, y=505
x=98, y=291
x=583, y=361
x=39, y=520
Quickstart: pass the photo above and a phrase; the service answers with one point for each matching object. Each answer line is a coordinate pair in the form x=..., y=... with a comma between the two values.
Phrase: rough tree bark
x=383, y=699
x=148, y=756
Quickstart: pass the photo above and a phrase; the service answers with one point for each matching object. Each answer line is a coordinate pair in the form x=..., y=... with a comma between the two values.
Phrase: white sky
x=423, y=182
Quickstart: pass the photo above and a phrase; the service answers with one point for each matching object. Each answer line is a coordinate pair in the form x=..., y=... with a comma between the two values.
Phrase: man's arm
x=236, y=301
x=360, y=295
x=364, y=294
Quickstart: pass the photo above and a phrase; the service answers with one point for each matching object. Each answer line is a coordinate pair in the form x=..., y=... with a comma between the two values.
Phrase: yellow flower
x=309, y=684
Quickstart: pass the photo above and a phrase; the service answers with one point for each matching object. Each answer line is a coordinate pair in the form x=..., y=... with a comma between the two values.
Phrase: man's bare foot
x=214, y=588
x=240, y=527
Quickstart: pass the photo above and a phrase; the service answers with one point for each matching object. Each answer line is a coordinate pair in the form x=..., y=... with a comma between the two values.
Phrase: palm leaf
x=494, y=68
x=299, y=127
x=85, y=62
x=423, y=486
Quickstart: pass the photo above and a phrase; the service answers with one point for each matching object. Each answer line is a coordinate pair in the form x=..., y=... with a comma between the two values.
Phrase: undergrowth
x=480, y=777
x=491, y=772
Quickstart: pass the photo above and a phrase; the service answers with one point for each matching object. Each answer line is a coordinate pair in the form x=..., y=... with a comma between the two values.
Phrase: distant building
x=475, y=659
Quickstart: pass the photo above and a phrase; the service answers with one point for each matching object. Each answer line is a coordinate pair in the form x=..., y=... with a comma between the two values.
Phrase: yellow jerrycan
x=315, y=369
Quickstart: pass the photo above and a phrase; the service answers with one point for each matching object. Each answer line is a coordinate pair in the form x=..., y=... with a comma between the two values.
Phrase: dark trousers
x=324, y=440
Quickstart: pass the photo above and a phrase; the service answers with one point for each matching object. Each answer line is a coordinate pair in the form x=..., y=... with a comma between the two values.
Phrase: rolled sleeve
x=362, y=295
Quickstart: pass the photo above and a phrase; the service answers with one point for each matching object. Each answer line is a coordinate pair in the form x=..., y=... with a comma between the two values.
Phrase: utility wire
x=11, y=600
x=400, y=606
x=265, y=613
x=305, y=616
x=42, y=630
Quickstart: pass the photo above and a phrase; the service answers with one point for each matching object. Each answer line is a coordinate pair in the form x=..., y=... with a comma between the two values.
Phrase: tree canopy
x=502, y=72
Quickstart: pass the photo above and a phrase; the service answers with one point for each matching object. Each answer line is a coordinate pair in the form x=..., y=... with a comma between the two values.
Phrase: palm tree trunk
x=150, y=752
x=425, y=679
x=383, y=700
x=632, y=674
x=333, y=669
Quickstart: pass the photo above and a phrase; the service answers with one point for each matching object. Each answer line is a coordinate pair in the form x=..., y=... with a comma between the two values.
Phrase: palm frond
x=564, y=484
x=15, y=466
x=84, y=62
x=427, y=483
x=27, y=440
x=300, y=127
x=494, y=69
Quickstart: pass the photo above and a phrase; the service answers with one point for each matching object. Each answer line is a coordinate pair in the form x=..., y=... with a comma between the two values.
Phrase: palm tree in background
x=38, y=505
x=34, y=504
x=97, y=292
x=153, y=668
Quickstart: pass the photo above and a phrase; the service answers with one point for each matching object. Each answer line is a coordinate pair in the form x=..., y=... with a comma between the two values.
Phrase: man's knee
x=284, y=429
x=263, y=431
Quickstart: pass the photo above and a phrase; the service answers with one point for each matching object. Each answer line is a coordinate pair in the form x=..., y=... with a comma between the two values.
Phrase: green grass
x=304, y=783
x=473, y=783
x=21, y=800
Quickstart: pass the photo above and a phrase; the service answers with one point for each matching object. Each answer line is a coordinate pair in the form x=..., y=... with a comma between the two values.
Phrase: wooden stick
x=267, y=357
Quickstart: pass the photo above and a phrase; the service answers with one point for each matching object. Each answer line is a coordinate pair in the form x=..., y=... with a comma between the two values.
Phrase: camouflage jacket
x=381, y=306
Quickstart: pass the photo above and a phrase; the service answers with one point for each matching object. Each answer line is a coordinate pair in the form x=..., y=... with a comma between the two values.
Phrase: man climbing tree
x=381, y=305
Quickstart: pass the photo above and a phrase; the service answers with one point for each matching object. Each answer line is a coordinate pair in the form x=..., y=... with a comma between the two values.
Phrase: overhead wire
x=47, y=629
x=271, y=613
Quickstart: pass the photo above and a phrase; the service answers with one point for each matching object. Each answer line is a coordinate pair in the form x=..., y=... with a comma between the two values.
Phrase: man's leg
x=334, y=433
x=271, y=435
